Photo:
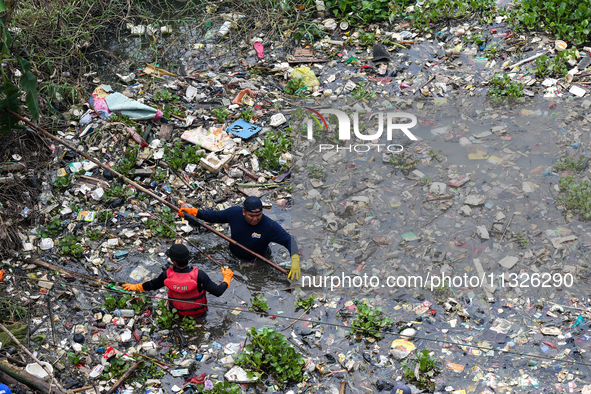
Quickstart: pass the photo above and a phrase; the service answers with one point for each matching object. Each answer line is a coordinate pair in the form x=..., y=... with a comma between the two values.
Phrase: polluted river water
x=459, y=236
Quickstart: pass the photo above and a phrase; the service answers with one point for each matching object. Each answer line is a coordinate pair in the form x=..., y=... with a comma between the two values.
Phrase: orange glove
x=130, y=287
x=228, y=274
x=2, y=276
x=190, y=211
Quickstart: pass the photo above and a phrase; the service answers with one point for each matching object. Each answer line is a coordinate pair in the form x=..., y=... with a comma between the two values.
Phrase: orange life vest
x=184, y=286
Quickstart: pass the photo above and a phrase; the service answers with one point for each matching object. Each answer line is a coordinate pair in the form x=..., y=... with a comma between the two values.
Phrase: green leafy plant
x=126, y=165
x=569, y=163
x=370, y=321
x=270, y=353
x=427, y=370
x=110, y=303
x=361, y=91
x=163, y=95
x=304, y=303
x=10, y=93
x=295, y=86
x=159, y=175
x=148, y=370
x=104, y=215
x=521, y=239
x=159, y=229
x=247, y=114
x=568, y=20
x=541, y=68
x=115, y=368
x=173, y=353
x=62, y=182
x=477, y=38
x=54, y=227
x=116, y=191
x=367, y=11
x=188, y=325
x=435, y=155
x=367, y=39
x=576, y=196
x=166, y=317
x=405, y=162
x=317, y=172
x=94, y=234
x=179, y=155
x=220, y=113
x=275, y=145
x=491, y=51
x=118, y=117
x=502, y=86
x=258, y=303
x=426, y=180
x=433, y=12
x=74, y=358
x=69, y=246
x=220, y=388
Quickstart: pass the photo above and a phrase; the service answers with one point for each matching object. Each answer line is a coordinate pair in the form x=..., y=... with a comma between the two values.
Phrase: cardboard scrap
x=150, y=69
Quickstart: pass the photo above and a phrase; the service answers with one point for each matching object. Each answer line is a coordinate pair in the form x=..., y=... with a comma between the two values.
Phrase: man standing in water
x=187, y=286
x=251, y=228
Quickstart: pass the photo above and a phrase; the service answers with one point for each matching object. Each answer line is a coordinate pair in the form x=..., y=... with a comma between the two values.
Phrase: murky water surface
x=366, y=217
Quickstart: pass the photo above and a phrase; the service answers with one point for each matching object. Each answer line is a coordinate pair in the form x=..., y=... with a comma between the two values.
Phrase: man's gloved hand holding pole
x=295, y=272
x=130, y=287
x=227, y=274
x=190, y=211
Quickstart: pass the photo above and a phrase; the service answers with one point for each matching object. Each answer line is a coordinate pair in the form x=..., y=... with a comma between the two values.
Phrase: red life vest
x=184, y=286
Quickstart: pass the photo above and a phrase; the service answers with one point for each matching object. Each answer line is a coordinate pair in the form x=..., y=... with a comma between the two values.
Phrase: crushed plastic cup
x=560, y=45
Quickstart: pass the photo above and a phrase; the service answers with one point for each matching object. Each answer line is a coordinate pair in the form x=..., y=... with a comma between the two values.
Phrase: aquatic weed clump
x=370, y=321
x=270, y=353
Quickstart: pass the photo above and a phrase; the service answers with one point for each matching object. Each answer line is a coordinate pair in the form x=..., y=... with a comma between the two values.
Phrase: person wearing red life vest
x=185, y=283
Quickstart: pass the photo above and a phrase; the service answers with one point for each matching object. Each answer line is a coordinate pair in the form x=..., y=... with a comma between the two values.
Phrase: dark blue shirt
x=255, y=238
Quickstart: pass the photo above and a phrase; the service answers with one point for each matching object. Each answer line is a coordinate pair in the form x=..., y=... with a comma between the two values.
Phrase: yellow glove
x=190, y=211
x=130, y=287
x=228, y=274
x=295, y=272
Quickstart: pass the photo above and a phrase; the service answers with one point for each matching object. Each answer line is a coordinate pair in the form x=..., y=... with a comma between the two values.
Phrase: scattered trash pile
x=493, y=190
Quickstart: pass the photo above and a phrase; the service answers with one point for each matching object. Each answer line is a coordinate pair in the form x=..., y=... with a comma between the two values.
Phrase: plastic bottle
x=224, y=29
x=46, y=195
x=124, y=313
x=185, y=204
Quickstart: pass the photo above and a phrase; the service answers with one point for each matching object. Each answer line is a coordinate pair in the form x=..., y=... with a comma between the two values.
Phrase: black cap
x=179, y=253
x=401, y=388
x=253, y=203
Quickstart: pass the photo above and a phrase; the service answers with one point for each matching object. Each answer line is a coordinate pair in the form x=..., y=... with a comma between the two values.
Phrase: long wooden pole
x=142, y=189
x=66, y=272
x=125, y=376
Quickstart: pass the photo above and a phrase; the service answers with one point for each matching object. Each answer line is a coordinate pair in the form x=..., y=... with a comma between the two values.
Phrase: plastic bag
x=306, y=75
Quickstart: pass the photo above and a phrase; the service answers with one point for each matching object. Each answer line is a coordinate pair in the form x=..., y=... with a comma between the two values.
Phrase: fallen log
x=24, y=349
x=28, y=380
